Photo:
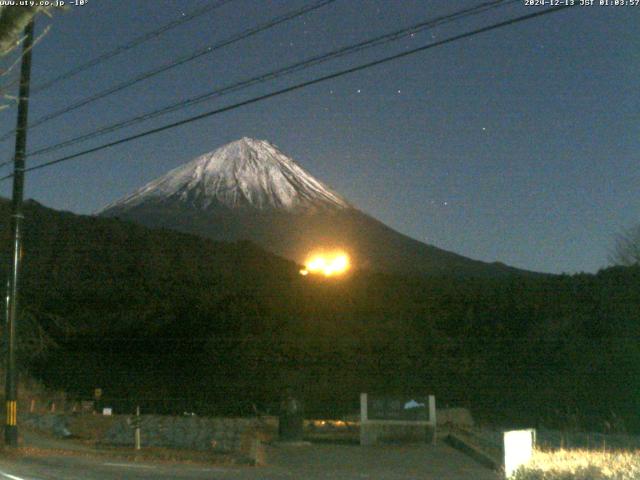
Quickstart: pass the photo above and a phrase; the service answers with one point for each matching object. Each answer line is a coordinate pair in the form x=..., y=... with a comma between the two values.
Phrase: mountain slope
x=250, y=190
x=118, y=270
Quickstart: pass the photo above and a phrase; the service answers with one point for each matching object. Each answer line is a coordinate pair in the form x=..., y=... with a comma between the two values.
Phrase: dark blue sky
x=520, y=145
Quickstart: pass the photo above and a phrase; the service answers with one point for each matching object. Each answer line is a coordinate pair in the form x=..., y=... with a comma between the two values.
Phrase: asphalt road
x=305, y=463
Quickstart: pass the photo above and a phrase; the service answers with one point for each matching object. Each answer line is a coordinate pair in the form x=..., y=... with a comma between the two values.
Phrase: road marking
x=126, y=465
x=12, y=477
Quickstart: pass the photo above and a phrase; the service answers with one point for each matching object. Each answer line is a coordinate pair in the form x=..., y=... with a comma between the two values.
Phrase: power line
x=177, y=62
x=289, y=69
x=298, y=87
x=128, y=46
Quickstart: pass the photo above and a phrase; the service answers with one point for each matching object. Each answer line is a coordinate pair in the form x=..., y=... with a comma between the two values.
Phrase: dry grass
x=582, y=465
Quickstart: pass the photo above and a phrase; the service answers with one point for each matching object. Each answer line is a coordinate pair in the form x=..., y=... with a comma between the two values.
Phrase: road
x=315, y=462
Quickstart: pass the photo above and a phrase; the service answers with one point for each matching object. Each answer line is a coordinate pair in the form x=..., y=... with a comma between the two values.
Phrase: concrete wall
x=372, y=433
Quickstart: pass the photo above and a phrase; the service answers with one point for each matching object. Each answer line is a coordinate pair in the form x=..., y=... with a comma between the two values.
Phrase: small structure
x=397, y=419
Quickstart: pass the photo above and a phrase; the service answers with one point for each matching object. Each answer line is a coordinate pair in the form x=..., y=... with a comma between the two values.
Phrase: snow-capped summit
x=247, y=173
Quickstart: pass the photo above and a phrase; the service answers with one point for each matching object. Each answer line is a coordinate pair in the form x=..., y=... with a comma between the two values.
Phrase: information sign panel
x=407, y=408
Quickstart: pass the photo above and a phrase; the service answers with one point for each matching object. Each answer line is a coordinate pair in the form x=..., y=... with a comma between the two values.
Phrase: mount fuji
x=250, y=190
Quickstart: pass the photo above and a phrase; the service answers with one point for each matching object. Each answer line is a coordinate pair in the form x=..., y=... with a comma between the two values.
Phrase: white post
x=364, y=440
x=363, y=408
x=138, y=428
x=432, y=415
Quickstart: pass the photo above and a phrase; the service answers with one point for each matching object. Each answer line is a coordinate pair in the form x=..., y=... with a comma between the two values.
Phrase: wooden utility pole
x=11, y=385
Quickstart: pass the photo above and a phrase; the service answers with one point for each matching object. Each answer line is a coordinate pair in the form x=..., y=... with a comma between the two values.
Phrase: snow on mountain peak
x=245, y=173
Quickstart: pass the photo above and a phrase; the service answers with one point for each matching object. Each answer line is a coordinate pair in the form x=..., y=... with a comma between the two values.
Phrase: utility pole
x=11, y=385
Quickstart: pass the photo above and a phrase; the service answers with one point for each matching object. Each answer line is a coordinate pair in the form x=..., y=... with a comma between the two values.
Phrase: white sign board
x=107, y=411
x=518, y=449
x=410, y=417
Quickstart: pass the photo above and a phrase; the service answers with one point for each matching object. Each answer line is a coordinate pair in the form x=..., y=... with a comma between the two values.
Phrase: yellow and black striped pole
x=12, y=413
x=11, y=385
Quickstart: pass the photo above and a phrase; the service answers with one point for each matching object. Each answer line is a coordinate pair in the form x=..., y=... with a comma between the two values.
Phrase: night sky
x=520, y=145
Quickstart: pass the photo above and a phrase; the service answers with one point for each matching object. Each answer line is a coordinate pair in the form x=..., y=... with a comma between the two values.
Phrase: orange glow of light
x=327, y=264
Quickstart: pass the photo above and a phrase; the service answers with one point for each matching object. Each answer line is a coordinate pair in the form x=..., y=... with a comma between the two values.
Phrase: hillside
x=179, y=323
x=74, y=262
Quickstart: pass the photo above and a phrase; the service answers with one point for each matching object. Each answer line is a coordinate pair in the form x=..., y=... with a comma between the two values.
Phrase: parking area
x=394, y=462
x=282, y=461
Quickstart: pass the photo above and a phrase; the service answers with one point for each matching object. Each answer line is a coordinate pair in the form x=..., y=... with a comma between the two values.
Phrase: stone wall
x=220, y=435
x=224, y=435
x=457, y=417
x=52, y=424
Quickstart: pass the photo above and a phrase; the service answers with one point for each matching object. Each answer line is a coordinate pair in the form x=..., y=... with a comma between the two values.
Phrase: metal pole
x=11, y=385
